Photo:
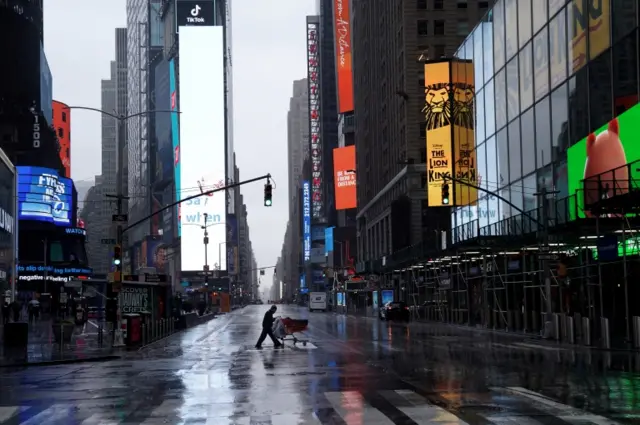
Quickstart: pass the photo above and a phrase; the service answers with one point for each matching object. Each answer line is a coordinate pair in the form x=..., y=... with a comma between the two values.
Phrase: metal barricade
x=555, y=326
x=636, y=331
x=144, y=334
x=605, y=340
x=586, y=331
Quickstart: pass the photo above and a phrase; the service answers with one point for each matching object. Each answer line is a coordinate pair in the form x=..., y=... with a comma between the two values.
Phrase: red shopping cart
x=291, y=327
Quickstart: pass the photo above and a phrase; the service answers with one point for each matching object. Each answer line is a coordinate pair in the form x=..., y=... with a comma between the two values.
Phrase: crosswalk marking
x=49, y=416
x=10, y=411
x=352, y=407
x=419, y=410
x=572, y=414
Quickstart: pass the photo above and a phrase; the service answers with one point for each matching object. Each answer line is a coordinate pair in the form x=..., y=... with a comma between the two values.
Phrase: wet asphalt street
x=354, y=371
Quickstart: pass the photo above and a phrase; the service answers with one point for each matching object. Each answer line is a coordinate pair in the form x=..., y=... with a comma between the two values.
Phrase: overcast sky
x=268, y=54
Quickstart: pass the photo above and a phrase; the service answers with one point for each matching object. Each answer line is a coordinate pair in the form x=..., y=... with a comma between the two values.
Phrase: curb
x=61, y=362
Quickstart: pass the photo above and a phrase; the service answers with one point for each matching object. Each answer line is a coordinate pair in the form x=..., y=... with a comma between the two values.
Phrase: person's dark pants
x=16, y=316
x=5, y=317
x=263, y=336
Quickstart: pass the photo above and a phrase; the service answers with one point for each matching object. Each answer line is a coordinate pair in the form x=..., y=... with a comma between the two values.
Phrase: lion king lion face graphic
x=438, y=111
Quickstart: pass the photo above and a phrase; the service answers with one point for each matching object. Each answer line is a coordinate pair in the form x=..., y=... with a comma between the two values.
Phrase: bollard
x=100, y=335
x=636, y=331
x=604, y=333
x=569, y=330
x=143, y=330
x=586, y=331
x=172, y=325
x=556, y=326
x=164, y=327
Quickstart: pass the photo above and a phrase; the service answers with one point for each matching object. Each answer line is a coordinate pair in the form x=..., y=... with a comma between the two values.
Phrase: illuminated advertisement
x=313, y=71
x=202, y=145
x=344, y=164
x=609, y=147
x=306, y=219
x=62, y=125
x=44, y=196
x=344, y=70
x=156, y=253
x=175, y=134
x=31, y=272
x=592, y=18
x=448, y=111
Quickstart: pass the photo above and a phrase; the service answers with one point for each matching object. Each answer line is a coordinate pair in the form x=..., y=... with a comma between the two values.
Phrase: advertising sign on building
x=194, y=13
x=313, y=72
x=306, y=220
x=44, y=196
x=202, y=146
x=135, y=299
x=344, y=68
x=175, y=134
x=448, y=111
x=62, y=125
x=344, y=165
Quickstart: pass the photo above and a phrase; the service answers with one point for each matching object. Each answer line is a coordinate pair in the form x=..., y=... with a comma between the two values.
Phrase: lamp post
x=119, y=196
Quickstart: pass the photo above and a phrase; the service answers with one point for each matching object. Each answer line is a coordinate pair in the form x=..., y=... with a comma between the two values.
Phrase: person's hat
x=274, y=308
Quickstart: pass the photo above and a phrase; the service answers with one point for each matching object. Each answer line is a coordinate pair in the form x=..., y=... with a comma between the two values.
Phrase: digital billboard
x=313, y=73
x=450, y=140
x=175, y=134
x=344, y=69
x=202, y=146
x=43, y=195
x=611, y=146
x=62, y=125
x=306, y=220
x=344, y=165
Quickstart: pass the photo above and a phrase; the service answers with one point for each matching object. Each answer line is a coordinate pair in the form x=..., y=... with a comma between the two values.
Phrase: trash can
x=134, y=329
x=16, y=334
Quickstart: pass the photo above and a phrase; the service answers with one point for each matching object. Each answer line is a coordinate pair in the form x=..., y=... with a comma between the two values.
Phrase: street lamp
x=120, y=196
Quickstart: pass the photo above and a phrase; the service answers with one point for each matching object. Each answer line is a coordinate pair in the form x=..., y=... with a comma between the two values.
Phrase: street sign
x=551, y=257
x=108, y=241
x=119, y=218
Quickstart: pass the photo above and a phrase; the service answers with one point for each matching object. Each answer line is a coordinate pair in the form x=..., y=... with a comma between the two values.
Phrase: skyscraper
x=97, y=211
x=297, y=134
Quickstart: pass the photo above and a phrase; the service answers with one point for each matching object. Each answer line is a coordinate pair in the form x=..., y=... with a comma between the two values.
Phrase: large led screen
x=202, y=145
x=344, y=176
x=609, y=147
x=449, y=120
x=43, y=195
x=175, y=134
x=306, y=219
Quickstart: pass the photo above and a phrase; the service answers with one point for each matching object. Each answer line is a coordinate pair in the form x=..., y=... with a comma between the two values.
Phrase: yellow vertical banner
x=437, y=111
x=465, y=166
x=450, y=141
x=590, y=19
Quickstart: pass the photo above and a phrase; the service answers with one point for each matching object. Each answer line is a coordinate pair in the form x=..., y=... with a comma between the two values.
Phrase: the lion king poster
x=448, y=110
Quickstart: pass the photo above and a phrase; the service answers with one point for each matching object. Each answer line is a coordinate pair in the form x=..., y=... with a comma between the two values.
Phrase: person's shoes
x=259, y=347
x=279, y=346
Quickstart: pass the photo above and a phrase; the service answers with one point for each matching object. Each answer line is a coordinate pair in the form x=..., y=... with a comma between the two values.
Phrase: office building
x=297, y=134
x=97, y=208
x=390, y=40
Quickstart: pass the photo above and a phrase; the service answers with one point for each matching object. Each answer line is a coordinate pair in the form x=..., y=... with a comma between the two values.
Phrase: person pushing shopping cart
x=267, y=328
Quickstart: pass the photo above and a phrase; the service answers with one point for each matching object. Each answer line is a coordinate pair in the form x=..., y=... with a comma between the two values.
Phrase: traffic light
x=117, y=256
x=445, y=194
x=267, y=194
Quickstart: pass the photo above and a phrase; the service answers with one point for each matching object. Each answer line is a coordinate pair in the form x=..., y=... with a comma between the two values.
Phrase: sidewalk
x=41, y=348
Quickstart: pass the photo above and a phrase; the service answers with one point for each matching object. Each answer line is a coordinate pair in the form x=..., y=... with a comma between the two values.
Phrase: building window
x=462, y=4
x=422, y=4
x=423, y=27
x=64, y=117
x=439, y=51
x=60, y=133
x=438, y=4
x=438, y=27
x=463, y=27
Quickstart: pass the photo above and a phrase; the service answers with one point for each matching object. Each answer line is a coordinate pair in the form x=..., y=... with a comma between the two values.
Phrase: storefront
x=8, y=224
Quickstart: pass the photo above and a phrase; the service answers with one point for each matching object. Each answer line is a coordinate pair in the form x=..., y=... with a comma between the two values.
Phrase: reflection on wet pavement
x=355, y=371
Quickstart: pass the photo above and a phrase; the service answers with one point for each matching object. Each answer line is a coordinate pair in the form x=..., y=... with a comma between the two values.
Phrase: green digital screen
x=609, y=147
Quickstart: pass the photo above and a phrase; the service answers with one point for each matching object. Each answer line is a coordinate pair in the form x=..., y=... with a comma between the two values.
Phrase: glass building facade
x=547, y=73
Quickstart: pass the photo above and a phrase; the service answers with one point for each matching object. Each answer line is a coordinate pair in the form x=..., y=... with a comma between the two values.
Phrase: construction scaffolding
x=588, y=248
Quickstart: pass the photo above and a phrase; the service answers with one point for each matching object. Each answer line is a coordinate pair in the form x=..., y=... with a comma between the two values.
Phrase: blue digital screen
x=306, y=219
x=387, y=296
x=44, y=196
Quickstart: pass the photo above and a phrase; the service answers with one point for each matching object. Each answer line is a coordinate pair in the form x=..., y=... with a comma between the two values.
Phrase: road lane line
x=568, y=413
x=419, y=410
x=353, y=409
x=7, y=412
x=51, y=415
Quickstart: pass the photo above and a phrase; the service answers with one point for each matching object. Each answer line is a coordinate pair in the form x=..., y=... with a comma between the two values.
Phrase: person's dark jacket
x=268, y=320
